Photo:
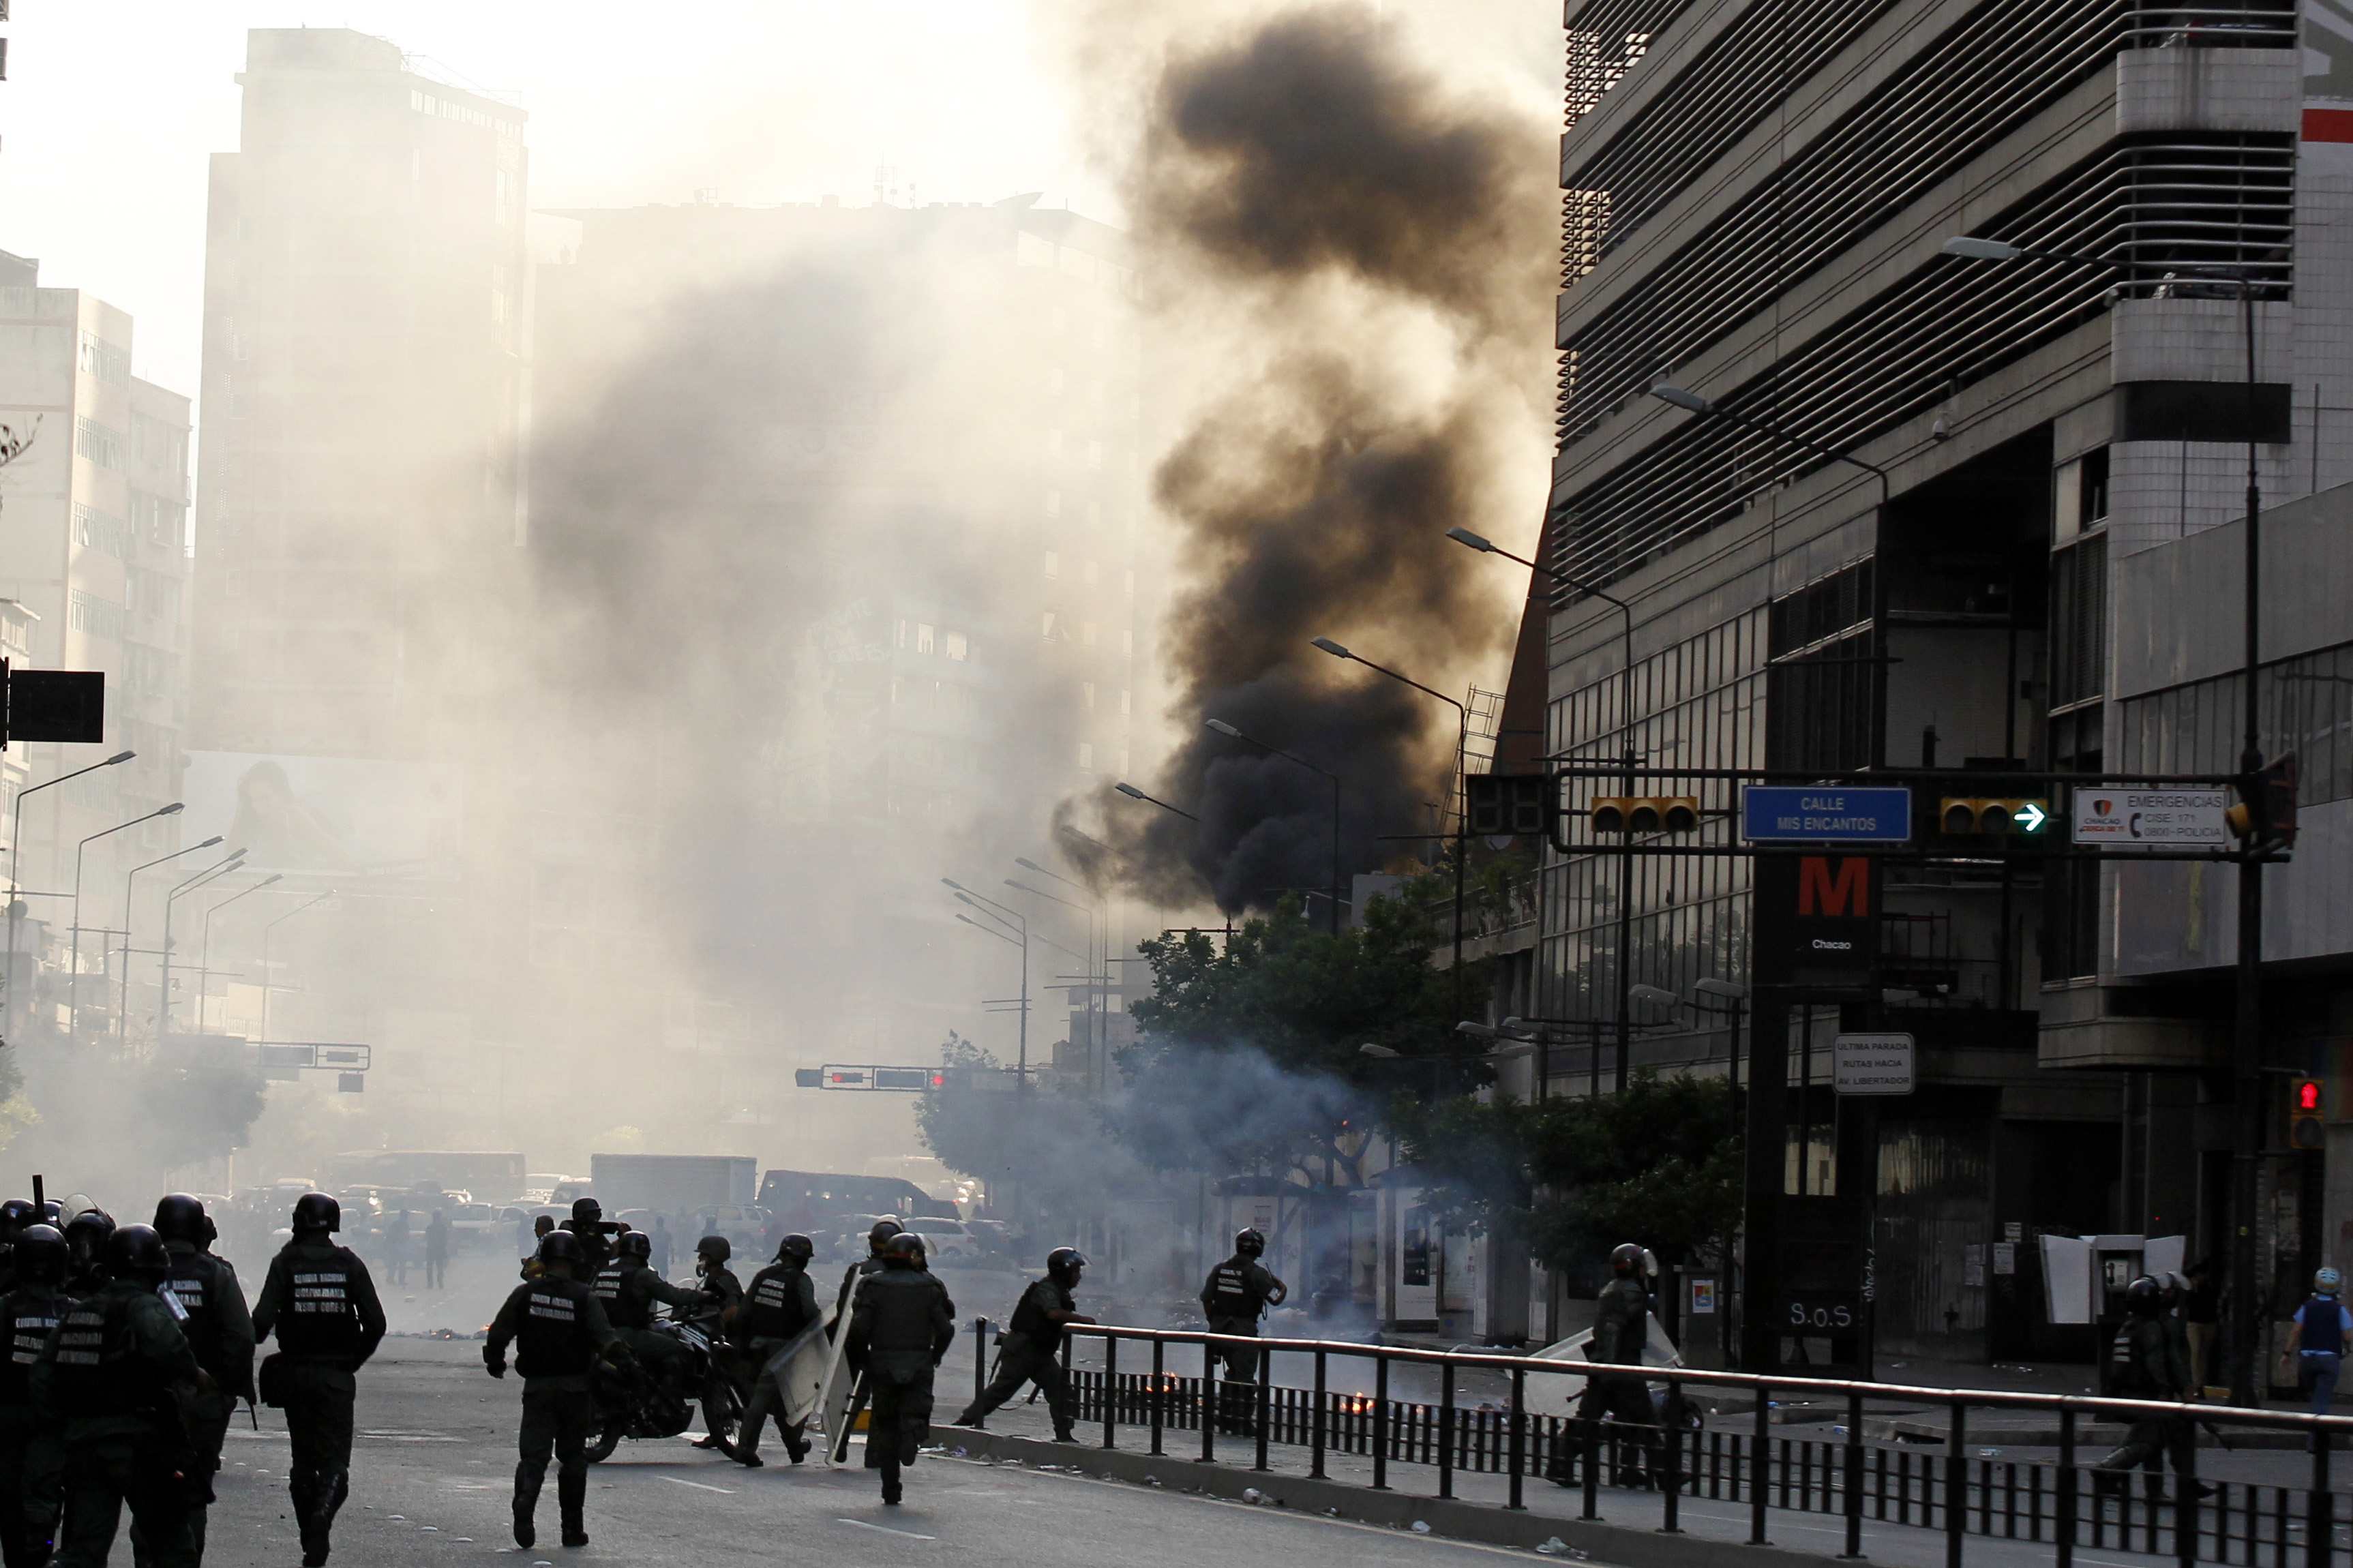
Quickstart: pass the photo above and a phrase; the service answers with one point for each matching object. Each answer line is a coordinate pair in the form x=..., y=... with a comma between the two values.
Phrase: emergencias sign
x=2151, y=819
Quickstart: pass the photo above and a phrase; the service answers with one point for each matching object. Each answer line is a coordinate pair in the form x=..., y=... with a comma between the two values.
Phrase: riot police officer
x=724, y=1291
x=876, y=1240
x=1236, y=1295
x=902, y=1322
x=219, y=1329
x=15, y=1215
x=1622, y=1323
x=110, y=1372
x=2142, y=1364
x=1032, y=1342
x=587, y=1226
x=629, y=1290
x=322, y=1303
x=86, y=1235
x=559, y=1331
x=779, y=1306
x=31, y=1458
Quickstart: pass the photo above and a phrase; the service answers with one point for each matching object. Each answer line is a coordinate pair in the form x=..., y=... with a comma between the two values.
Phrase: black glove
x=493, y=1363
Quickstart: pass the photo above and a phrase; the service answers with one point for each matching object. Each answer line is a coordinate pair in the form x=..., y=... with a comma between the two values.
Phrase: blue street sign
x=1824, y=813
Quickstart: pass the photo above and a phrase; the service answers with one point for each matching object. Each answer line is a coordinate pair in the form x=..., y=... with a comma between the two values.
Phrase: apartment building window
x=1053, y=564
x=107, y=361
x=1087, y=754
x=958, y=647
x=1818, y=711
x=2079, y=621
x=1046, y=626
x=898, y=632
x=925, y=636
x=1127, y=645
x=95, y=616
x=96, y=530
x=98, y=443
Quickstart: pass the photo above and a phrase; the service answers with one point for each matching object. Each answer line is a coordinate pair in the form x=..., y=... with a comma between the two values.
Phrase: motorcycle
x=634, y=1400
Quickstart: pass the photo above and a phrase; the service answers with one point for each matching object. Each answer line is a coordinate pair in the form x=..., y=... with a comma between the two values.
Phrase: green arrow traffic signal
x=2031, y=816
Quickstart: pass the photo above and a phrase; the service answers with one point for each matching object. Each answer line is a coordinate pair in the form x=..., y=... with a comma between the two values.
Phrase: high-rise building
x=94, y=572
x=1878, y=524
x=363, y=374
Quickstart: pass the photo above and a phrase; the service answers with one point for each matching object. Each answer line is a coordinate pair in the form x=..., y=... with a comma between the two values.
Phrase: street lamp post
x=267, y=932
x=1088, y=958
x=1099, y=1039
x=122, y=1007
x=204, y=946
x=219, y=868
x=1629, y=758
x=1461, y=814
x=1222, y=728
x=1013, y=917
x=73, y=1009
x=15, y=837
x=2246, y=1042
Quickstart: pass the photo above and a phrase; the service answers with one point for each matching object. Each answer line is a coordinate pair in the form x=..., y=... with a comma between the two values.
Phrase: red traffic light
x=2307, y=1095
x=939, y=1078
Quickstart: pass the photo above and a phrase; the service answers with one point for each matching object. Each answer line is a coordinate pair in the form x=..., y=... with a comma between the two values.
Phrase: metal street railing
x=2064, y=1502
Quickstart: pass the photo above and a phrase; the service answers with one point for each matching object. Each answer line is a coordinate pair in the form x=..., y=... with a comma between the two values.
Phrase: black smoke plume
x=1375, y=240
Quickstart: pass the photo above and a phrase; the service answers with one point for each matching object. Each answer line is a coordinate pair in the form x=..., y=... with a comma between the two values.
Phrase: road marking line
x=886, y=1530
x=696, y=1485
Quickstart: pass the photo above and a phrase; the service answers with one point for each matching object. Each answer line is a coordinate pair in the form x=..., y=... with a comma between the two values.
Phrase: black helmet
x=40, y=1254
x=15, y=1215
x=136, y=1252
x=878, y=1240
x=86, y=1236
x=179, y=1217
x=50, y=1212
x=1064, y=1264
x=560, y=1247
x=2143, y=1298
x=1250, y=1241
x=714, y=1247
x=317, y=1211
x=587, y=1211
x=636, y=1243
x=1628, y=1261
x=904, y=1250
x=796, y=1248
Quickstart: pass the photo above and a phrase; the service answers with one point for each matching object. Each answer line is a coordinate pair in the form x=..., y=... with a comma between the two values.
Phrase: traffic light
x=1967, y=815
x=2304, y=1114
x=1509, y=804
x=1645, y=814
x=2264, y=817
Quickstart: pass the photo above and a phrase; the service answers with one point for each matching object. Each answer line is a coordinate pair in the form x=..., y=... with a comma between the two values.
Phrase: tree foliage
x=1250, y=1054
x=1658, y=1164
x=1048, y=1144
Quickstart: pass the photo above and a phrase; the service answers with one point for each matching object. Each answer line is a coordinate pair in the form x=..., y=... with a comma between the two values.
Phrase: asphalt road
x=432, y=1471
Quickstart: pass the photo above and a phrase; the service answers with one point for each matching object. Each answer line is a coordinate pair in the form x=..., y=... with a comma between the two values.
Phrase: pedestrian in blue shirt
x=2323, y=1328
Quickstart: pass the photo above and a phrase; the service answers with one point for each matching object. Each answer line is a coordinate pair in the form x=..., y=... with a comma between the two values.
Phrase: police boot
x=310, y=1516
x=526, y=1504
x=795, y=1444
x=572, y=1496
x=891, y=1491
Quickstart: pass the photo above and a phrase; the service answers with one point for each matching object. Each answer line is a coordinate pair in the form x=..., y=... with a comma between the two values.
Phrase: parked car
x=946, y=1240
x=475, y=1227
x=745, y=1227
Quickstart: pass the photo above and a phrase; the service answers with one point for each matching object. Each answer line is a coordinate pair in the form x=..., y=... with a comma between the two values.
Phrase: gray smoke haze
x=1368, y=245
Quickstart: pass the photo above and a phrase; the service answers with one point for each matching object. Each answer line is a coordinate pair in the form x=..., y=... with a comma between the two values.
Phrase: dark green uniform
x=321, y=1302
x=1032, y=1353
x=596, y=1246
x=628, y=1291
x=559, y=1330
x=902, y=1322
x=723, y=1396
x=779, y=1307
x=109, y=1372
x=32, y=1459
x=220, y=1332
x=2143, y=1364
x=1235, y=1296
x=1622, y=1323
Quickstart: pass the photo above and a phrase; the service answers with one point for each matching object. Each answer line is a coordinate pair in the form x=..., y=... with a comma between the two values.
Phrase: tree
x=1658, y=1164
x=1251, y=1058
x=1049, y=1144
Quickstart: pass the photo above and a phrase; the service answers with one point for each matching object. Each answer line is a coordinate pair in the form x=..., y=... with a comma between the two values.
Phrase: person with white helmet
x=2317, y=1343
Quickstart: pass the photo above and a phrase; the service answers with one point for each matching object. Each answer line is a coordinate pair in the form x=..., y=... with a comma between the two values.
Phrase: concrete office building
x=1754, y=210
x=94, y=571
